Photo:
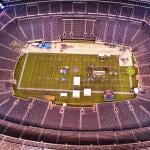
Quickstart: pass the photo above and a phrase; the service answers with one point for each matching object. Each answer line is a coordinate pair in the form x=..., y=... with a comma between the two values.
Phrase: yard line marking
x=54, y=65
x=120, y=79
x=111, y=79
x=70, y=70
x=68, y=63
x=36, y=68
x=64, y=60
x=22, y=72
x=44, y=65
x=31, y=73
x=130, y=81
x=49, y=70
x=64, y=90
x=61, y=59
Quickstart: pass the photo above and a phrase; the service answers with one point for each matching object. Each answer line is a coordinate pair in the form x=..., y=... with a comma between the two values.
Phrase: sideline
x=18, y=86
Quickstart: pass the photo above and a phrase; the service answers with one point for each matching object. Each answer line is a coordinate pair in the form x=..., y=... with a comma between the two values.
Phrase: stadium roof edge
x=7, y=2
x=23, y=2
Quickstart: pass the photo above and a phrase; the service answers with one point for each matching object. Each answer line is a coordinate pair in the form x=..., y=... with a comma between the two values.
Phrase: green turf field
x=42, y=71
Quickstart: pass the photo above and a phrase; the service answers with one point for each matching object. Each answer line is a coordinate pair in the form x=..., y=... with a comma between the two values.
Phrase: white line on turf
x=64, y=90
x=32, y=71
x=54, y=64
x=130, y=81
x=22, y=71
x=48, y=69
x=35, y=71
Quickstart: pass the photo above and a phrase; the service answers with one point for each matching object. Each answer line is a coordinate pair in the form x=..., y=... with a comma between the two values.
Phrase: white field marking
x=66, y=61
x=119, y=77
x=22, y=71
x=64, y=90
x=52, y=71
x=31, y=72
x=44, y=67
x=71, y=69
x=90, y=83
x=97, y=46
x=130, y=81
x=109, y=65
x=41, y=73
x=123, y=85
x=47, y=70
x=62, y=60
x=115, y=79
x=54, y=66
x=36, y=68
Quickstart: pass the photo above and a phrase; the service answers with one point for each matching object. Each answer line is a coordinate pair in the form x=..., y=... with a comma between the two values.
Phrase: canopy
x=87, y=92
x=76, y=93
x=76, y=81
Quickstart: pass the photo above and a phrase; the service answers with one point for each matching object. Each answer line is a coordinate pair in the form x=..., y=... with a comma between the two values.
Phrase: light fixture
x=1, y=6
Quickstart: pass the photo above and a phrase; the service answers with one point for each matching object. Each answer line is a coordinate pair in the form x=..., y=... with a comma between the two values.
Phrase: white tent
x=101, y=55
x=136, y=90
x=64, y=104
x=76, y=81
x=108, y=54
x=63, y=94
x=87, y=92
x=99, y=73
x=76, y=94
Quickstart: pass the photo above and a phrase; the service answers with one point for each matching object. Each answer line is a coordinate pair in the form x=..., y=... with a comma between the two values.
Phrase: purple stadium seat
x=43, y=8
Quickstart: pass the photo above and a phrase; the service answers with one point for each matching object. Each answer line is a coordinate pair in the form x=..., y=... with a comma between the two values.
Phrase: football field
x=40, y=74
x=42, y=71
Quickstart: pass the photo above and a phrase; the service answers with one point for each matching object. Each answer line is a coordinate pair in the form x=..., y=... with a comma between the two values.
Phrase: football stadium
x=75, y=74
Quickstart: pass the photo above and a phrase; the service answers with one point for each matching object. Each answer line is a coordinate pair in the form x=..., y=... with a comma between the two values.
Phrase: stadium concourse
x=37, y=124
